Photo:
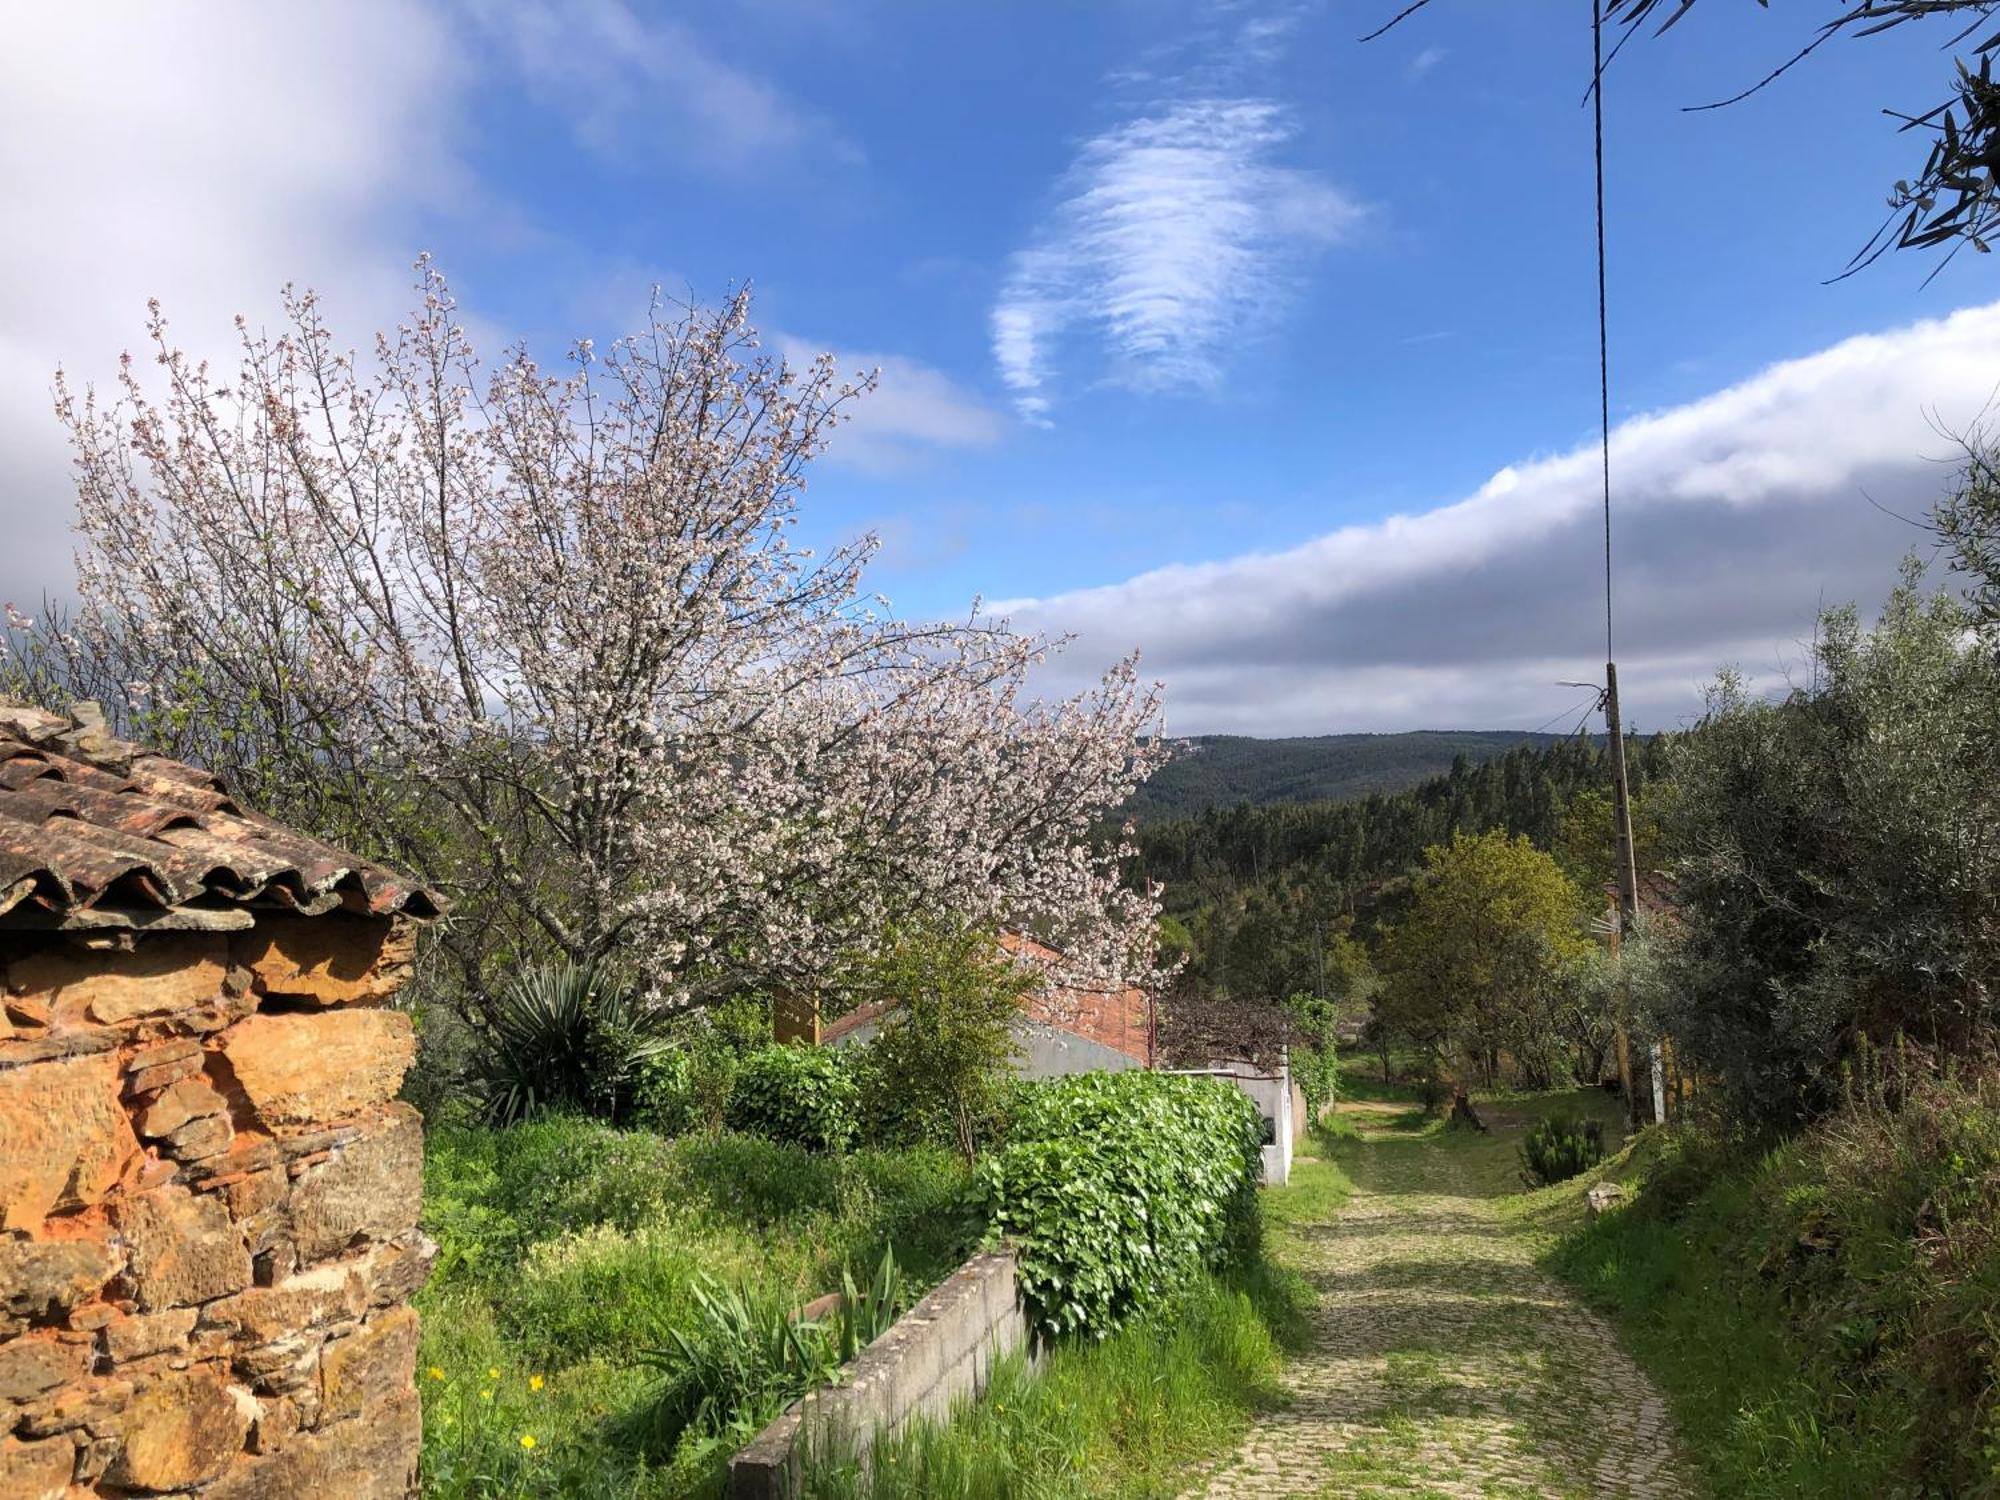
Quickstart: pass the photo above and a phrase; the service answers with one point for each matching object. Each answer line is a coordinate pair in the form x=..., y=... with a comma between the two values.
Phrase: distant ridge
x=1224, y=770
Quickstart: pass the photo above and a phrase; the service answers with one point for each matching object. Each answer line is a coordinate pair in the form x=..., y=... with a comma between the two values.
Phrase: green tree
x=1491, y=924
x=940, y=1062
x=1838, y=859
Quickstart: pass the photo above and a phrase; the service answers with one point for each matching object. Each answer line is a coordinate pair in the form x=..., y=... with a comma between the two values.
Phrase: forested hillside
x=1258, y=896
x=1223, y=770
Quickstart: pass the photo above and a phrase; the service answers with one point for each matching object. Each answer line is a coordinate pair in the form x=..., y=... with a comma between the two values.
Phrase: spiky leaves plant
x=568, y=1037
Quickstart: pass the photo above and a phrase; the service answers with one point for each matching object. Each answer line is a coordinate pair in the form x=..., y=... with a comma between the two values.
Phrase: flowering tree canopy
x=545, y=638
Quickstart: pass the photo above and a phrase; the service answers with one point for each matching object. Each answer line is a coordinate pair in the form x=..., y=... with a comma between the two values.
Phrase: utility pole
x=1628, y=882
x=1621, y=792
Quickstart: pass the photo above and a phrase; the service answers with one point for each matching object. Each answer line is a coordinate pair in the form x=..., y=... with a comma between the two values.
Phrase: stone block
x=277, y=1419
x=369, y=1457
x=127, y=1339
x=36, y=1471
x=254, y=1192
x=200, y=1140
x=285, y=1365
x=186, y=1100
x=149, y=1069
x=93, y=1406
x=396, y=1270
x=182, y=1249
x=336, y=959
x=180, y=1431
x=41, y=1278
x=302, y=1069
x=30, y=1366
x=160, y=974
x=371, y=1188
x=64, y=1137
x=326, y=1294
x=368, y=1366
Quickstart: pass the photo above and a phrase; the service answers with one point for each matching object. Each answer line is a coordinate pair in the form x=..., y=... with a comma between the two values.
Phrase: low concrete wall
x=943, y=1349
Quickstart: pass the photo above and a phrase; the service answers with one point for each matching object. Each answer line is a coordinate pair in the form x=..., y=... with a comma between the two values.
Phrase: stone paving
x=1443, y=1363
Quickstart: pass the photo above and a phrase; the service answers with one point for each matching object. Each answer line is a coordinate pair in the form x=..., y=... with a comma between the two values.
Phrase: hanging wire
x=1603, y=337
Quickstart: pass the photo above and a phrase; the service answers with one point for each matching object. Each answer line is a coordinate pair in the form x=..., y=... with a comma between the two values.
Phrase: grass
x=567, y=1252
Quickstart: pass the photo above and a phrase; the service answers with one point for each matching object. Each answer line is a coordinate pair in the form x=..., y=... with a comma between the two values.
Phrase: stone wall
x=208, y=1208
x=939, y=1352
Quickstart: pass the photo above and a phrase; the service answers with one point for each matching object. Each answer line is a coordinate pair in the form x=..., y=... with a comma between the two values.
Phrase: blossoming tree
x=546, y=638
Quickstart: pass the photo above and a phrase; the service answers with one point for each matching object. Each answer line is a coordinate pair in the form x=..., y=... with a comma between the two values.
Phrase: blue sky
x=1155, y=286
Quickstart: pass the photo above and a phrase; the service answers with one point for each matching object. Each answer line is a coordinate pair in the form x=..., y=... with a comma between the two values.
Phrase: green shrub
x=1559, y=1147
x=558, y=1174
x=664, y=1096
x=938, y=1070
x=801, y=1095
x=567, y=1038
x=1117, y=1189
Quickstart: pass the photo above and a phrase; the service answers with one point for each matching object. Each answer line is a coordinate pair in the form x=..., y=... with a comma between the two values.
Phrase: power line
x=1603, y=333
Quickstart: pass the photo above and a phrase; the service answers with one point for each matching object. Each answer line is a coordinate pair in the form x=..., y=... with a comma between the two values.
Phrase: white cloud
x=1425, y=60
x=1176, y=236
x=649, y=85
x=205, y=155
x=914, y=409
x=1735, y=518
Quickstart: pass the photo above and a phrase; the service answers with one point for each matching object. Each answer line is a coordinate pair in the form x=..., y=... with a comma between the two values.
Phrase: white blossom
x=543, y=636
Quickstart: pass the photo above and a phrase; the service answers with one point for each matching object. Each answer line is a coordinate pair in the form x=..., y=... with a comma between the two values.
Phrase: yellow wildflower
x=527, y=1440
x=485, y=1395
x=436, y=1373
x=492, y=1374
x=534, y=1382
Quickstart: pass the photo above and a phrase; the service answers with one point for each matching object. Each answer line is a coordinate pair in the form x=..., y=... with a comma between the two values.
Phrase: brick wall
x=1119, y=1019
x=208, y=1207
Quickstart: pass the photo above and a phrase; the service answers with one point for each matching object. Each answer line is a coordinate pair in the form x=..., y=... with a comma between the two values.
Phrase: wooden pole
x=1628, y=878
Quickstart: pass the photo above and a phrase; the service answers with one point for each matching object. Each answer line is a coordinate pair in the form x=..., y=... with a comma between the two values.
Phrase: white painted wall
x=1272, y=1094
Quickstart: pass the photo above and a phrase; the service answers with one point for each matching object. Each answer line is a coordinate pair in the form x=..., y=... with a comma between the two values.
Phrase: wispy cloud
x=1176, y=234
x=633, y=84
x=1425, y=60
x=1736, y=516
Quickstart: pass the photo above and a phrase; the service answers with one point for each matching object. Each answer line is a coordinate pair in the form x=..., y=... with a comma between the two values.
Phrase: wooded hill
x=1257, y=895
x=1223, y=770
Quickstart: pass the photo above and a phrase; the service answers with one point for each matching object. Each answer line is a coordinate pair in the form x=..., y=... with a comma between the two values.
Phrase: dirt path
x=1443, y=1362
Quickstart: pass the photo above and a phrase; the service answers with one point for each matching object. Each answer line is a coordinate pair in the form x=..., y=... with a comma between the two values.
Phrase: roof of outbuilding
x=97, y=832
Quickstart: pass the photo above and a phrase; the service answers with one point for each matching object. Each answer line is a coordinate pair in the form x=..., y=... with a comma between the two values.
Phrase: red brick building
x=1062, y=1029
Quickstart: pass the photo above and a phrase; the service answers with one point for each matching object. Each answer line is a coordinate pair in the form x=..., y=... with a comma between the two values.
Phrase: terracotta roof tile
x=97, y=831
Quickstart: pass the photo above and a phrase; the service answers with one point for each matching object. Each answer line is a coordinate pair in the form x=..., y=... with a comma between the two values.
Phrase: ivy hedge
x=805, y=1096
x=1117, y=1189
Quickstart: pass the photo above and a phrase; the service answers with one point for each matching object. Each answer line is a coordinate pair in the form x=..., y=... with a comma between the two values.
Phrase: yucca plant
x=566, y=1036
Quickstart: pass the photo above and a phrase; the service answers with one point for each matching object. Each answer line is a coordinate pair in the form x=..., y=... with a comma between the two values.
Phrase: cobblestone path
x=1443, y=1363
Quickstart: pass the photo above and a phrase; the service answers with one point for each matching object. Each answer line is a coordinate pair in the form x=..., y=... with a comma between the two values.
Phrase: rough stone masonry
x=208, y=1189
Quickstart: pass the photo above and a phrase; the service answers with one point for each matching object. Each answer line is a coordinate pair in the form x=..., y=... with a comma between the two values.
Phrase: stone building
x=208, y=1190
